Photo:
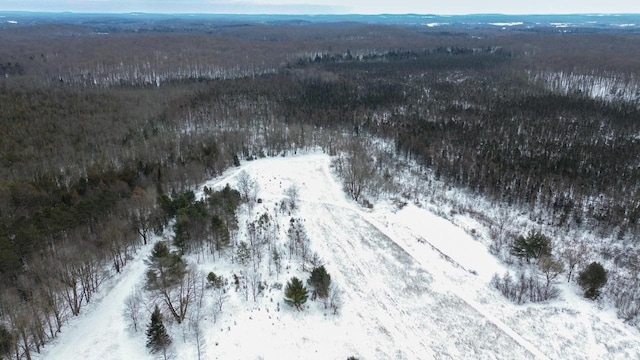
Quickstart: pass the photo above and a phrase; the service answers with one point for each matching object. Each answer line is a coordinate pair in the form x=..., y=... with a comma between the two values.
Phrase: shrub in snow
x=526, y=287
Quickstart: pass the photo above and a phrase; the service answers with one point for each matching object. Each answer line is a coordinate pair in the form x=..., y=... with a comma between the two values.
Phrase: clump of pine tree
x=214, y=280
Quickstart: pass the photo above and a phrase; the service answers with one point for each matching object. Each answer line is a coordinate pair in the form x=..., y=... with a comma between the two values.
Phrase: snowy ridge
x=402, y=298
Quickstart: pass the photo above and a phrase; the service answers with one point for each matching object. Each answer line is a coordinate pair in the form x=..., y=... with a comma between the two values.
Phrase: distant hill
x=621, y=22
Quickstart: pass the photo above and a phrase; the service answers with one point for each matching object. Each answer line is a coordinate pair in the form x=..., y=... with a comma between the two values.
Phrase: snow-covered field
x=415, y=286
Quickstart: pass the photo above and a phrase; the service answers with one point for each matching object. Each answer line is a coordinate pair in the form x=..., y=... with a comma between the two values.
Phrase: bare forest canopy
x=100, y=116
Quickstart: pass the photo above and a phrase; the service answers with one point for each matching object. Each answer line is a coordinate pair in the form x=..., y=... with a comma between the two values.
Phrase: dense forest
x=101, y=133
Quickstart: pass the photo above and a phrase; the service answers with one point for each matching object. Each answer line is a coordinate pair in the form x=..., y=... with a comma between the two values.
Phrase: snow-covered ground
x=606, y=87
x=415, y=286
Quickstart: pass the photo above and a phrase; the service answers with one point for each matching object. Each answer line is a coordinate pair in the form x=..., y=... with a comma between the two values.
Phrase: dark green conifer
x=320, y=280
x=534, y=246
x=157, y=338
x=295, y=294
x=592, y=279
x=214, y=280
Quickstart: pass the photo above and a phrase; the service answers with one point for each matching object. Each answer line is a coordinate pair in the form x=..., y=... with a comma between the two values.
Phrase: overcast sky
x=442, y=7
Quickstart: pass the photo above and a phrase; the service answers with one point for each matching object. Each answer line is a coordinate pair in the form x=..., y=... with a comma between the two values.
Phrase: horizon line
x=313, y=14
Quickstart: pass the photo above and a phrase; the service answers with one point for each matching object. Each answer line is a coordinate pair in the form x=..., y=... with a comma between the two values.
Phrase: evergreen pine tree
x=220, y=232
x=534, y=246
x=277, y=261
x=592, y=279
x=243, y=254
x=295, y=294
x=157, y=338
x=320, y=280
x=214, y=280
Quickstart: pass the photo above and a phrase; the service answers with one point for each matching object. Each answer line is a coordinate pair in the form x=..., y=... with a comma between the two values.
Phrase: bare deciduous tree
x=551, y=269
x=335, y=299
x=574, y=255
x=357, y=171
x=254, y=279
x=133, y=307
x=198, y=333
x=143, y=211
x=248, y=187
x=293, y=193
x=219, y=298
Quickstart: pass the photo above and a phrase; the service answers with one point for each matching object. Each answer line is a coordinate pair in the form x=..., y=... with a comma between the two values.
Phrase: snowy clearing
x=415, y=287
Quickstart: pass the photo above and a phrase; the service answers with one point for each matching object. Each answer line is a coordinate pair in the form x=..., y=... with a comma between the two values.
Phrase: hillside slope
x=414, y=286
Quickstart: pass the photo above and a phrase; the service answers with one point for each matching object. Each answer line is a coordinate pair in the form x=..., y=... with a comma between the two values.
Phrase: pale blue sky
x=441, y=7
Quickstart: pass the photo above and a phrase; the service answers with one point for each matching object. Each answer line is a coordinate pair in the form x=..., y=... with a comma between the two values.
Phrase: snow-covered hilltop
x=413, y=286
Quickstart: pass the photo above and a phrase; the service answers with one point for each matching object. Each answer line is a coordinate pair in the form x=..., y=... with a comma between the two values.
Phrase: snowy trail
x=442, y=228
x=99, y=331
x=378, y=262
x=378, y=304
x=323, y=203
x=490, y=263
x=474, y=304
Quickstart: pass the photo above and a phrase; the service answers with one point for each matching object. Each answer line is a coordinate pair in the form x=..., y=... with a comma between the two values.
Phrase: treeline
x=481, y=124
x=89, y=175
x=571, y=155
